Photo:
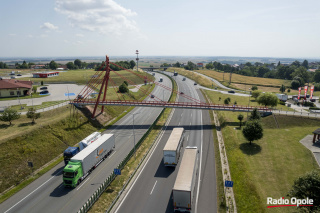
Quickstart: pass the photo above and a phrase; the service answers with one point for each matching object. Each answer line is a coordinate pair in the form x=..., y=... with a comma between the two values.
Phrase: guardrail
x=121, y=165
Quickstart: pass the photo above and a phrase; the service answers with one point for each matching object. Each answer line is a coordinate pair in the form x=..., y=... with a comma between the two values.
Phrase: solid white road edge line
x=196, y=209
x=83, y=184
x=30, y=194
x=153, y=187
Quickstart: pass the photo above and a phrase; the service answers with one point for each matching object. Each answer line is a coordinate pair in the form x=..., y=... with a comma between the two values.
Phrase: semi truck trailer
x=171, y=151
x=83, y=163
x=72, y=151
x=184, y=186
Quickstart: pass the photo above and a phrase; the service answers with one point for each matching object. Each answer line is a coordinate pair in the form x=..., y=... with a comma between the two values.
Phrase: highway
x=155, y=182
x=47, y=193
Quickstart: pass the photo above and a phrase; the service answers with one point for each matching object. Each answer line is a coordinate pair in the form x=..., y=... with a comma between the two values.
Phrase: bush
x=226, y=101
x=123, y=88
x=314, y=108
x=308, y=104
x=254, y=88
x=295, y=84
x=289, y=90
x=282, y=103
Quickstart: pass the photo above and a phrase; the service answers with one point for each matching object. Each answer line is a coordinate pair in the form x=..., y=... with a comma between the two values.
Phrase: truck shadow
x=58, y=171
x=60, y=191
x=163, y=171
x=170, y=205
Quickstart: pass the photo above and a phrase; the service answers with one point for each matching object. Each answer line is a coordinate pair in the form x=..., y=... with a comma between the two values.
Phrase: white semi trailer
x=89, y=140
x=171, y=151
x=81, y=165
x=183, y=189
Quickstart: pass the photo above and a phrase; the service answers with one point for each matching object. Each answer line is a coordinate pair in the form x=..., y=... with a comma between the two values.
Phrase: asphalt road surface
x=155, y=182
x=47, y=194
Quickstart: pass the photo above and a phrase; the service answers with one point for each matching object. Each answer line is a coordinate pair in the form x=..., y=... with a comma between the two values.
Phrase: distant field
x=83, y=76
x=236, y=78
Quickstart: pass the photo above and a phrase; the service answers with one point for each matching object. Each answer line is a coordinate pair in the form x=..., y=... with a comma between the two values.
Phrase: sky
x=247, y=28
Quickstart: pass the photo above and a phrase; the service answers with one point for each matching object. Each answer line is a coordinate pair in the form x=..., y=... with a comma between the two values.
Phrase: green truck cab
x=72, y=174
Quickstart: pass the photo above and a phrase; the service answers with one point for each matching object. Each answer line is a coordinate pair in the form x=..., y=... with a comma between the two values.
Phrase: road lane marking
x=179, y=124
x=159, y=139
x=153, y=187
x=30, y=194
x=112, y=154
x=83, y=184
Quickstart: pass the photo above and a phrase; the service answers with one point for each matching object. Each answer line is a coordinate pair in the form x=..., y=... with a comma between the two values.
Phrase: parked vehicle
x=282, y=97
x=44, y=92
x=195, y=83
x=175, y=73
x=153, y=74
x=184, y=186
x=161, y=79
x=171, y=151
x=19, y=75
x=43, y=88
x=72, y=151
x=152, y=96
x=184, y=78
x=181, y=93
x=231, y=91
x=83, y=163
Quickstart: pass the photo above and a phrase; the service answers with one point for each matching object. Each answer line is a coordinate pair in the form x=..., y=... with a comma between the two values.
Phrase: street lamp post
x=248, y=102
x=137, y=52
x=134, y=136
x=18, y=93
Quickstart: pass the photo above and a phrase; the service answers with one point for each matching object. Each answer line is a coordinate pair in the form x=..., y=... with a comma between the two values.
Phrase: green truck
x=83, y=163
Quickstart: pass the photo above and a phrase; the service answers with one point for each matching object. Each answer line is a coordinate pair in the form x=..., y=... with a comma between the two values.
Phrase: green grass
x=83, y=76
x=269, y=166
x=34, y=95
x=32, y=141
x=37, y=107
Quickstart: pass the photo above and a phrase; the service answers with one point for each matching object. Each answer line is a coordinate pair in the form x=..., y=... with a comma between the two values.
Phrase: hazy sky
x=273, y=28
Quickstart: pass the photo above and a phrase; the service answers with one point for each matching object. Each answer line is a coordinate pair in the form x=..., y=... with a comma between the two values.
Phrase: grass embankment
x=83, y=76
x=42, y=142
x=112, y=191
x=201, y=80
x=269, y=166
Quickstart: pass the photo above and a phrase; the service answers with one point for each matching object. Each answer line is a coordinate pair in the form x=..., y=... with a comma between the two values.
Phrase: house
x=199, y=64
x=39, y=66
x=45, y=74
x=235, y=65
x=271, y=66
x=14, y=88
x=312, y=70
x=62, y=67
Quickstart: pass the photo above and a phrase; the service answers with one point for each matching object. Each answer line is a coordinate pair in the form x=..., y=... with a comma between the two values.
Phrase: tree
x=255, y=115
x=282, y=88
x=240, y=118
x=123, y=88
x=296, y=63
x=307, y=186
x=70, y=65
x=53, y=65
x=209, y=66
x=268, y=99
x=305, y=64
x=278, y=64
x=253, y=131
x=126, y=83
x=295, y=84
x=256, y=94
x=34, y=89
x=316, y=76
x=132, y=64
x=32, y=114
x=9, y=115
x=226, y=101
x=78, y=63
x=254, y=87
x=177, y=64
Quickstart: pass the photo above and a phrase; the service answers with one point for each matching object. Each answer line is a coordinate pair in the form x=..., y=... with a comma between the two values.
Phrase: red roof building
x=45, y=74
x=13, y=87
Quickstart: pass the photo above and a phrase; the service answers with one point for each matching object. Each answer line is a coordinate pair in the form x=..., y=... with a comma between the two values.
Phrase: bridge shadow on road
x=163, y=171
x=186, y=127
